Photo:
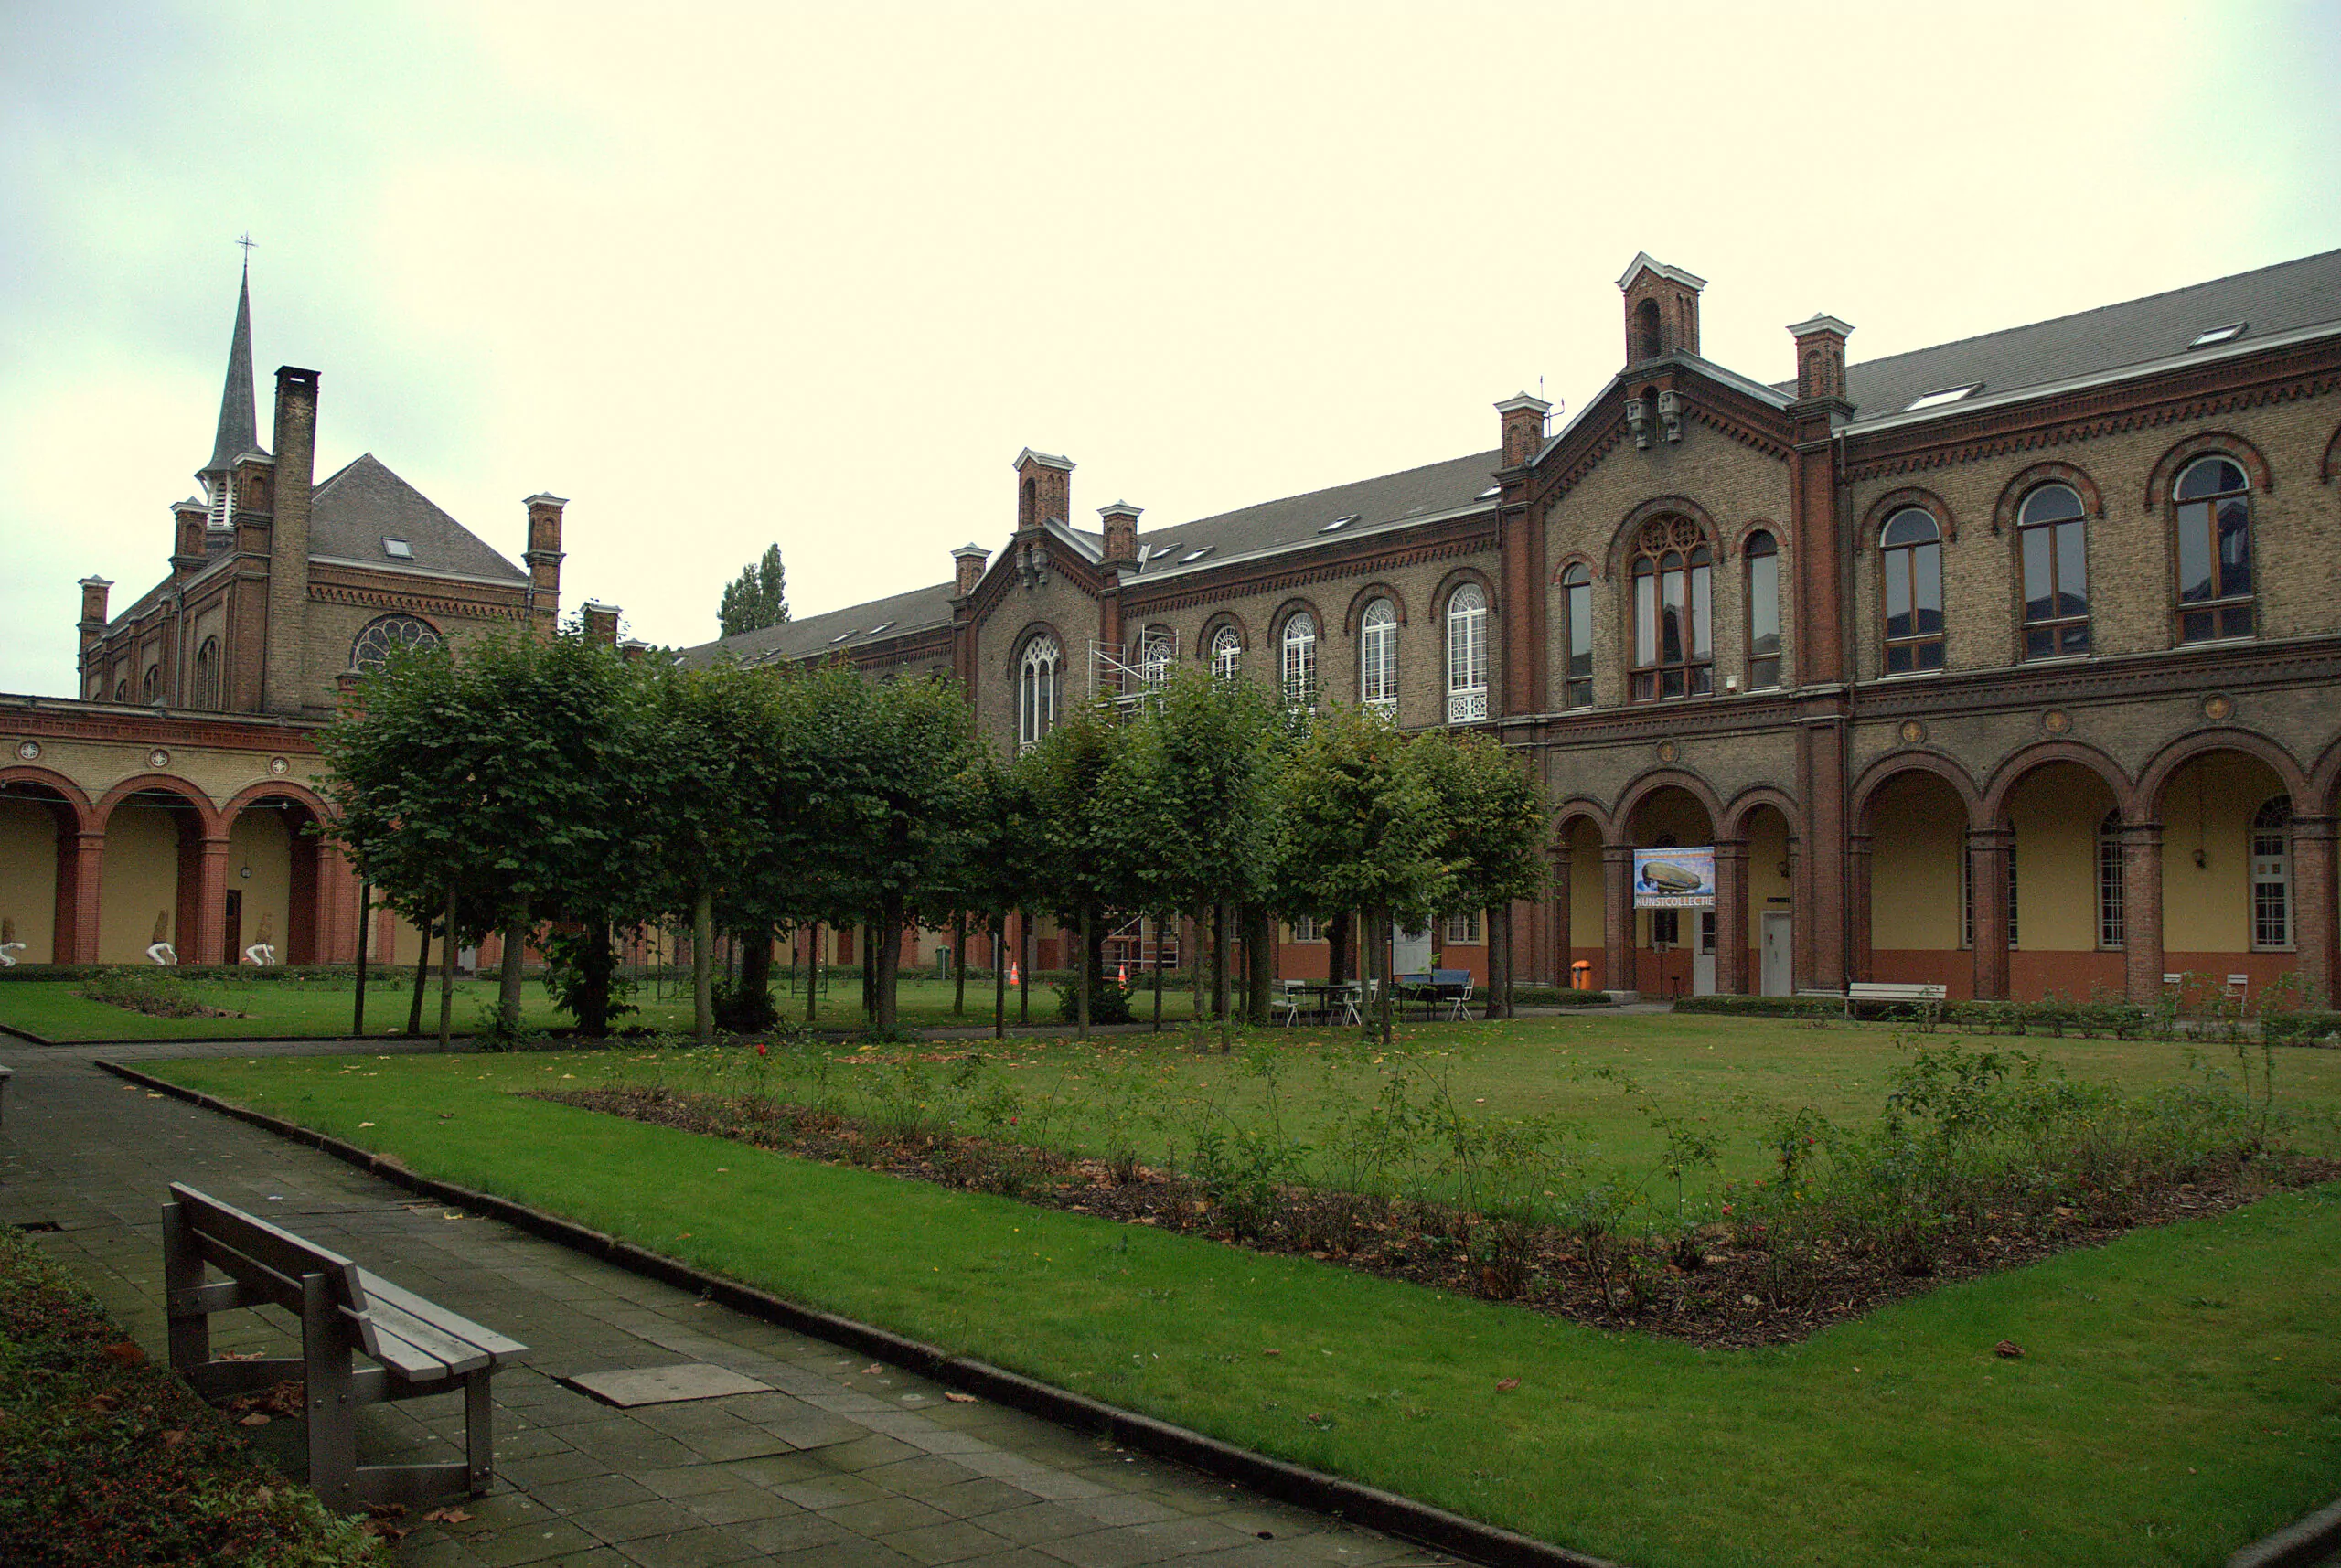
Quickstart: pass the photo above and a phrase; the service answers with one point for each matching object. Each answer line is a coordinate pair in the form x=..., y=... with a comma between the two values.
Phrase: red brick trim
x=2156, y=776
x=1378, y=588
x=1577, y=558
x=1410, y=546
x=1734, y=823
x=1285, y=612
x=1893, y=501
x=2211, y=442
x=2012, y=494
x=2330, y=465
x=1918, y=759
x=1765, y=524
x=1650, y=783
x=2326, y=781
x=1016, y=656
x=2019, y=765
x=280, y=789
x=1211, y=629
x=71, y=793
x=1576, y=809
x=1456, y=578
x=205, y=814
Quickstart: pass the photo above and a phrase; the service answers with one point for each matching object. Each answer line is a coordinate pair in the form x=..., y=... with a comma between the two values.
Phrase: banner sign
x=1675, y=879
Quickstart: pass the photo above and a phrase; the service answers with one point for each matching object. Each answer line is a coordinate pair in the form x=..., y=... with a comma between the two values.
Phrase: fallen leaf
x=127, y=1352
x=1272, y=1352
x=448, y=1516
x=365, y=1124
x=173, y=1439
x=2007, y=1350
x=254, y=1419
x=1505, y=1385
x=385, y=1510
x=872, y=1369
x=956, y=1398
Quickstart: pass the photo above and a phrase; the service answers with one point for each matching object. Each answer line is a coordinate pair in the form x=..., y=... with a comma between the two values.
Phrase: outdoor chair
x=1288, y=1001
x=1346, y=999
x=1458, y=1005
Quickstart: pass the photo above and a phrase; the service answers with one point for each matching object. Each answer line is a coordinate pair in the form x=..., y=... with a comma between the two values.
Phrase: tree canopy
x=757, y=598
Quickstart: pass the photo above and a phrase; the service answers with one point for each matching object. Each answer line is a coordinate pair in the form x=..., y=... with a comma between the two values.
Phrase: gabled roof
x=355, y=510
x=919, y=610
x=2283, y=298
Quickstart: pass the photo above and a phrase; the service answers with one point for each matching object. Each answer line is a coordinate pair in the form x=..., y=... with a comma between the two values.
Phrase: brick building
x=2008, y=663
x=172, y=800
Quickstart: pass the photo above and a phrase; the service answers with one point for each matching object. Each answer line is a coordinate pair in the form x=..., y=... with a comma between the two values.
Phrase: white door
x=1778, y=952
x=1702, y=959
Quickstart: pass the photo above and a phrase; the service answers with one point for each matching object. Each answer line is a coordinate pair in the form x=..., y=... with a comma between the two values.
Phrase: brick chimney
x=288, y=556
x=1121, y=533
x=601, y=624
x=1821, y=356
x=1043, y=489
x=632, y=649
x=189, y=519
x=1523, y=427
x=93, y=614
x=967, y=569
x=1662, y=309
x=544, y=558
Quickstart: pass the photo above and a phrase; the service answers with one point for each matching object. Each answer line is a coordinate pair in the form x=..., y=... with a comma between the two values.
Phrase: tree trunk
x=1219, y=976
x=1158, y=974
x=447, y=976
x=599, y=961
x=421, y=978
x=509, y=976
x=886, y=964
x=812, y=971
x=364, y=913
x=1081, y=981
x=959, y=964
x=1195, y=964
x=868, y=974
x=703, y=967
x=755, y=969
x=1259, y=959
x=1000, y=978
x=1337, y=950
x=1498, y=922
x=1026, y=951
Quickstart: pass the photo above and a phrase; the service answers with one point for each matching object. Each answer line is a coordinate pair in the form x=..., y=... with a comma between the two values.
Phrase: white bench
x=420, y=1347
x=1927, y=999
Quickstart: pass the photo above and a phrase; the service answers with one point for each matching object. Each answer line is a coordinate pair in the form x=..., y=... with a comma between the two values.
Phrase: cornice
x=65, y=719
x=400, y=596
x=2313, y=662
x=1281, y=574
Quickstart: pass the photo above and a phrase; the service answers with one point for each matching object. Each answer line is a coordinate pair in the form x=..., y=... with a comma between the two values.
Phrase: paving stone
x=691, y=1549
x=955, y=1541
x=632, y=1521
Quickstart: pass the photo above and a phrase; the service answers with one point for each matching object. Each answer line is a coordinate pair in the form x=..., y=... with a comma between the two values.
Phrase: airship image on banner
x=1674, y=878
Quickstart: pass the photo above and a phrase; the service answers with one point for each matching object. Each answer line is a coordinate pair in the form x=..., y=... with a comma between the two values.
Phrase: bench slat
x=382, y=1292
x=415, y=1352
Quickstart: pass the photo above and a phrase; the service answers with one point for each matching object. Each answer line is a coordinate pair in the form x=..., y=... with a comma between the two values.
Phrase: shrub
x=1109, y=1004
x=1762, y=1006
x=2302, y=1027
x=157, y=993
x=1558, y=996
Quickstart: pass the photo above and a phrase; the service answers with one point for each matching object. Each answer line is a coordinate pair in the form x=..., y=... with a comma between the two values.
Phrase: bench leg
x=190, y=1331
x=333, y=1413
x=480, y=1433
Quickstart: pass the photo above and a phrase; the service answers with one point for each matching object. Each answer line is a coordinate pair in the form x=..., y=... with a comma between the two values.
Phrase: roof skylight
x=1193, y=555
x=879, y=627
x=1936, y=400
x=1337, y=524
x=2227, y=333
x=1489, y=493
x=841, y=636
x=398, y=549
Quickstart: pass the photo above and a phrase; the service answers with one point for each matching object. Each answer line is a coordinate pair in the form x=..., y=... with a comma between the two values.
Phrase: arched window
x=1036, y=691
x=2272, y=876
x=1377, y=656
x=1763, y=555
x=122, y=691
x=1226, y=652
x=1911, y=565
x=150, y=683
x=2214, y=551
x=2049, y=533
x=1576, y=613
x=1673, y=611
x=2110, y=898
x=379, y=638
x=207, y=673
x=1467, y=655
x=1300, y=660
x=1647, y=336
x=1157, y=648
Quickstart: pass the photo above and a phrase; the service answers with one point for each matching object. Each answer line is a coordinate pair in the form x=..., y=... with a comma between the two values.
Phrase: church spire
x=238, y=420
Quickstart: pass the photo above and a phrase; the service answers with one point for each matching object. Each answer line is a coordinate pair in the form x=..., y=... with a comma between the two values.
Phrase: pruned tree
x=1089, y=845
x=1494, y=823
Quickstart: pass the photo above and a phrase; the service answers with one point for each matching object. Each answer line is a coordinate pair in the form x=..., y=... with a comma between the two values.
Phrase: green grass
x=295, y=1010
x=2178, y=1396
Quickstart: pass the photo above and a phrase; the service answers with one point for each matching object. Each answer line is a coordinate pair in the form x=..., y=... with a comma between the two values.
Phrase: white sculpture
x=262, y=953
x=160, y=950
x=8, y=944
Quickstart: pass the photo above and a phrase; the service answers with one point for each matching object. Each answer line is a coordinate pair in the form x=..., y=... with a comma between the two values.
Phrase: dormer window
x=2227, y=333
x=1941, y=398
x=398, y=549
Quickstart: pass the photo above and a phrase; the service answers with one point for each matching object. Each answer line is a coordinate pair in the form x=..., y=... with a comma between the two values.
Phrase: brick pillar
x=89, y=857
x=2313, y=904
x=1617, y=918
x=1987, y=858
x=1820, y=886
x=1858, y=907
x=210, y=944
x=2141, y=958
x=1731, y=916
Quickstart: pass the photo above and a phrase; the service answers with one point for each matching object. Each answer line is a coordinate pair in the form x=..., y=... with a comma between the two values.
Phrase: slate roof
x=352, y=512
x=918, y=609
x=238, y=420
x=2270, y=300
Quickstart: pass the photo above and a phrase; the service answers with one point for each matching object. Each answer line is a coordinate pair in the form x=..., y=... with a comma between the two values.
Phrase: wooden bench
x=1926, y=999
x=418, y=1348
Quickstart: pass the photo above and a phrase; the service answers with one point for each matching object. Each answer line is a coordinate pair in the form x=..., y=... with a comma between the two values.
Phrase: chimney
x=189, y=520
x=601, y=624
x=288, y=559
x=1523, y=427
x=1820, y=357
x=1121, y=533
x=93, y=614
x=1043, y=489
x=632, y=649
x=1662, y=309
x=544, y=556
x=967, y=569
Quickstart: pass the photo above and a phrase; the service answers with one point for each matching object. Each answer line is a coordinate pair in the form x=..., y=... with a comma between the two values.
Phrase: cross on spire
x=247, y=241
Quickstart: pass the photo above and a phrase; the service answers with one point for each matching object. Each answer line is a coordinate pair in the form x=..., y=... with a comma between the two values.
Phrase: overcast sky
x=727, y=275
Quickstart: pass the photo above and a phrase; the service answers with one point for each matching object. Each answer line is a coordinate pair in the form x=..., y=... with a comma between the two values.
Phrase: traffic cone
x=1122, y=974
x=1014, y=978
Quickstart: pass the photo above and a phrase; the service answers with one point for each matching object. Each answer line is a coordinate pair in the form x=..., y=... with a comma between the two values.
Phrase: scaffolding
x=1131, y=684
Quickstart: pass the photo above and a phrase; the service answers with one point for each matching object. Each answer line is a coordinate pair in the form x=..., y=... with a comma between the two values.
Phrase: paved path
x=844, y=1464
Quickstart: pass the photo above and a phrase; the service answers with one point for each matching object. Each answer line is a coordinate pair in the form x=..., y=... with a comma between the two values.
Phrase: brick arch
x=1379, y=588
x=206, y=812
x=1287, y=610
x=1016, y=645
x=2013, y=494
x=1921, y=760
x=1621, y=541
x=1577, y=558
x=1893, y=501
x=278, y=789
x=2156, y=776
x=2330, y=464
x=1764, y=525
x=71, y=795
x=1621, y=819
x=1211, y=629
x=1576, y=809
x=2324, y=783
x=2219, y=443
x=1456, y=578
x=1733, y=821
x=2026, y=760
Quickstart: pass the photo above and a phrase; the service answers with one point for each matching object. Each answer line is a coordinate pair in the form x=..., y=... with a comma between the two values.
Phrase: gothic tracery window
x=1036, y=691
x=1226, y=652
x=1299, y=663
x=387, y=634
x=207, y=673
x=1467, y=655
x=1673, y=595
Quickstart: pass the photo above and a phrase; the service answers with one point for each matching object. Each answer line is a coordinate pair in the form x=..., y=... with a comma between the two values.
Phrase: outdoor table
x=1326, y=993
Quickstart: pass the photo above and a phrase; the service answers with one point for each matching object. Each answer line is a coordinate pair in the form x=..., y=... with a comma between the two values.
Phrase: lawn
x=295, y=1010
x=2176, y=1397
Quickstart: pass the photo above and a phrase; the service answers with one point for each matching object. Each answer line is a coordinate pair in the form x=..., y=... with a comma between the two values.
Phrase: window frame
x=1577, y=627
x=1297, y=660
x=1463, y=929
x=1668, y=548
x=2112, y=888
x=1928, y=652
x=2272, y=895
x=1377, y=658
x=1762, y=547
x=2226, y=616
x=2053, y=631
x=1467, y=623
x=1039, y=668
x=1226, y=652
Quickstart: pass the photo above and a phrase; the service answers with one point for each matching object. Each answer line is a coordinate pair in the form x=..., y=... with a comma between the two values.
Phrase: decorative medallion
x=1668, y=751
x=2056, y=721
x=158, y=758
x=278, y=766
x=2219, y=708
x=1912, y=732
x=28, y=751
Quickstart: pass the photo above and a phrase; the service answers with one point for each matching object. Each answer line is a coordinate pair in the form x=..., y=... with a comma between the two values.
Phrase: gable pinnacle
x=239, y=417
